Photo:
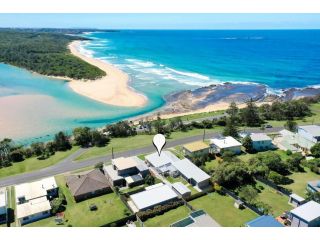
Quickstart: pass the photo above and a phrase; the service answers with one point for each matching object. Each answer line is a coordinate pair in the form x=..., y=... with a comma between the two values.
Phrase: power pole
x=204, y=134
x=112, y=153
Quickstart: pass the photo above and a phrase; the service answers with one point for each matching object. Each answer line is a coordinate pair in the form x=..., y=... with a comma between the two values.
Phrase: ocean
x=34, y=107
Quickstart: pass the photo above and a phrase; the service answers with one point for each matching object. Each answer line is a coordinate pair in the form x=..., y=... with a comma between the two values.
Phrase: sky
x=162, y=21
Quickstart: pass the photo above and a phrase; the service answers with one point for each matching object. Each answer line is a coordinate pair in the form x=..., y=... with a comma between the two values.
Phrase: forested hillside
x=45, y=53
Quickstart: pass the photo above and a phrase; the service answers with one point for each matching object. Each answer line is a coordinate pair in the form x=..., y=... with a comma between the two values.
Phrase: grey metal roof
x=256, y=137
x=165, y=158
x=181, y=188
x=153, y=197
x=188, y=169
x=314, y=130
x=297, y=197
x=308, y=211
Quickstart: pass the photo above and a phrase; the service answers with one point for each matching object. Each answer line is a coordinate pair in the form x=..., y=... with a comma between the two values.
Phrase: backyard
x=276, y=200
x=221, y=209
x=168, y=218
x=300, y=181
x=110, y=208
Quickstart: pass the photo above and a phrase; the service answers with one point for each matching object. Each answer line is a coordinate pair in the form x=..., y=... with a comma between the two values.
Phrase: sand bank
x=112, y=89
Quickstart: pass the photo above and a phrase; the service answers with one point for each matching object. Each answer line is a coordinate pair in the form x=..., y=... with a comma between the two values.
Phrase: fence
x=247, y=205
x=274, y=186
x=121, y=222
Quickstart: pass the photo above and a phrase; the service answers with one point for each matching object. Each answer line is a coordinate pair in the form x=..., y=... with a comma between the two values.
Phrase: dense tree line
x=45, y=53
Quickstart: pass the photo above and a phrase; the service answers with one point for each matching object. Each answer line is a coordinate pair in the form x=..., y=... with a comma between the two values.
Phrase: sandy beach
x=112, y=89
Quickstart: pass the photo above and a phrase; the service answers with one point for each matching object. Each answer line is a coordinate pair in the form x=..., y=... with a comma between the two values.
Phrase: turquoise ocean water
x=159, y=63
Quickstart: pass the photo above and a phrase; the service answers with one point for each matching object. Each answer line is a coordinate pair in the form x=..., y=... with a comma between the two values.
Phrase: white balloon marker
x=159, y=141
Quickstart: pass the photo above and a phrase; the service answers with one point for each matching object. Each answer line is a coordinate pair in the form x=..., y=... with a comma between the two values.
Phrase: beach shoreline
x=112, y=89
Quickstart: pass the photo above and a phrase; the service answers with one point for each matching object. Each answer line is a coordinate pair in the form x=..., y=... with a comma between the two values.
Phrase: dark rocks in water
x=296, y=93
x=205, y=96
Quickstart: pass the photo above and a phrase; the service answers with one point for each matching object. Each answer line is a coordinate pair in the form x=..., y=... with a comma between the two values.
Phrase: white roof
x=153, y=197
x=256, y=137
x=225, y=142
x=165, y=158
x=3, y=198
x=297, y=197
x=308, y=211
x=189, y=170
x=312, y=129
x=33, y=207
x=285, y=132
x=123, y=163
x=35, y=189
x=181, y=188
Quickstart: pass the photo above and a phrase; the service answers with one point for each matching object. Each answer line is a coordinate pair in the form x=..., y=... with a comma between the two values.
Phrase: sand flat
x=112, y=89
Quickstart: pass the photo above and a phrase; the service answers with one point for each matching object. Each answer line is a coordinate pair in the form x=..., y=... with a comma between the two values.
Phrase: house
x=3, y=205
x=195, y=149
x=33, y=199
x=88, y=185
x=300, y=141
x=296, y=200
x=306, y=215
x=261, y=141
x=158, y=194
x=118, y=174
x=33, y=210
x=219, y=145
x=313, y=186
x=196, y=219
x=163, y=163
x=310, y=132
x=181, y=189
x=46, y=187
x=264, y=221
x=192, y=174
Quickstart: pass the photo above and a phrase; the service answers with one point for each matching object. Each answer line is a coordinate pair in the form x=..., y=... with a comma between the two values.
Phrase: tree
x=313, y=196
x=232, y=174
x=315, y=150
x=249, y=194
x=294, y=162
x=16, y=155
x=247, y=143
x=250, y=114
x=82, y=136
x=37, y=149
x=121, y=129
x=231, y=128
x=291, y=126
x=62, y=142
x=98, y=139
x=278, y=178
x=149, y=180
x=99, y=166
x=233, y=111
x=159, y=125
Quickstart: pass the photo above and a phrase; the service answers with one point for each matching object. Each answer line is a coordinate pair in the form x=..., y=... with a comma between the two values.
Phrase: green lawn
x=277, y=201
x=110, y=208
x=221, y=209
x=300, y=181
x=315, y=118
x=211, y=165
x=247, y=156
x=138, y=141
x=168, y=218
x=33, y=164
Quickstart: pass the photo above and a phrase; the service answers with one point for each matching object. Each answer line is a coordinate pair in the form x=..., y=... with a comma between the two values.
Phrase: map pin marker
x=159, y=141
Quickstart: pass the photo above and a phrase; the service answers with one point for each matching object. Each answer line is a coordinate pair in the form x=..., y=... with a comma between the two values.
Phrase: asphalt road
x=68, y=164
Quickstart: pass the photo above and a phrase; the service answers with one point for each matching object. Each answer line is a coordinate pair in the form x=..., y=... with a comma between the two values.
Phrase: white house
x=221, y=144
x=192, y=174
x=33, y=199
x=163, y=163
x=306, y=215
x=310, y=132
x=261, y=141
x=181, y=189
x=154, y=195
x=3, y=205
